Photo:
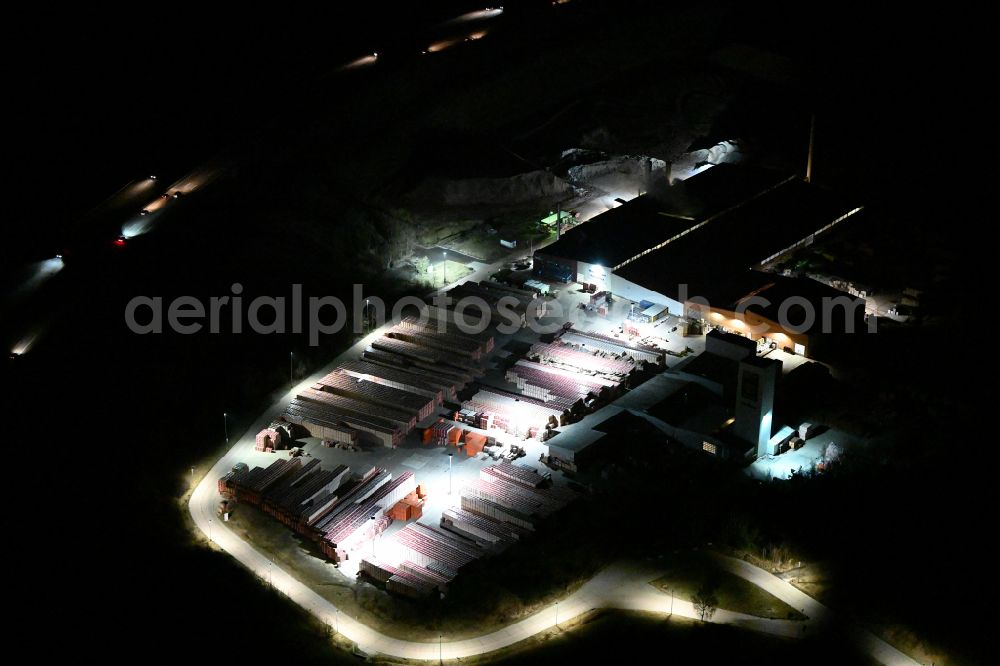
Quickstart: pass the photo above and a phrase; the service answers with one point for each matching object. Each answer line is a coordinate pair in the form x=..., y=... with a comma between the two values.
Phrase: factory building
x=690, y=250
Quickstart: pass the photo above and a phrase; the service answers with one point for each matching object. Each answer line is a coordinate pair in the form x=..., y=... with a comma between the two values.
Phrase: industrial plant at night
x=551, y=332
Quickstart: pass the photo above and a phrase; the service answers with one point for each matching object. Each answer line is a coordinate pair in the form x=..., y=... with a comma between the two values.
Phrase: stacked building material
x=286, y=489
x=397, y=378
x=359, y=409
x=484, y=507
x=326, y=421
x=567, y=357
x=466, y=347
x=519, y=474
x=272, y=438
x=409, y=586
x=427, y=546
x=450, y=379
x=291, y=502
x=432, y=577
x=355, y=493
x=509, y=496
x=377, y=570
x=443, y=321
x=487, y=533
x=408, y=508
x=409, y=581
x=513, y=413
x=458, y=377
x=352, y=524
x=593, y=341
x=344, y=384
x=474, y=443
x=557, y=382
x=423, y=354
x=439, y=433
x=520, y=307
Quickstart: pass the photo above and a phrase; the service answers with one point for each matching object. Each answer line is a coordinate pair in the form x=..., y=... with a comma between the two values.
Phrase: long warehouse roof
x=711, y=256
x=645, y=222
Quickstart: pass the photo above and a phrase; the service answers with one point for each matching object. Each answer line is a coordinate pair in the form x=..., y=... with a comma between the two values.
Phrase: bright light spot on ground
x=442, y=45
x=480, y=15
x=25, y=343
x=361, y=62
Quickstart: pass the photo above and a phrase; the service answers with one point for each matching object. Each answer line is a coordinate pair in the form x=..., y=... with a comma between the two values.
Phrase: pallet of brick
x=397, y=378
x=474, y=443
x=358, y=408
x=354, y=492
x=349, y=386
x=519, y=474
x=567, y=356
x=441, y=318
x=637, y=352
x=325, y=421
x=430, y=577
x=494, y=511
x=443, y=342
x=266, y=438
x=428, y=549
x=483, y=340
x=376, y=569
x=422, y=353
x=409, y=587
x=487, y=533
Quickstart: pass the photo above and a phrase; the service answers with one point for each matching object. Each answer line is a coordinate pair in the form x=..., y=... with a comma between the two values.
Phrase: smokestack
x=809, y=159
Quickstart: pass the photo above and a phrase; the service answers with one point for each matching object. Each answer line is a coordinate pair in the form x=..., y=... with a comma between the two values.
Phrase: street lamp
x=210, y=530
x=444, y=267
x=449, y=473
x=291, y=372
x=440, y=640
x=557, y=613
x=336, y=619
x=192, y=475
x=225, y=427
x=270, y=578
x=374, y=536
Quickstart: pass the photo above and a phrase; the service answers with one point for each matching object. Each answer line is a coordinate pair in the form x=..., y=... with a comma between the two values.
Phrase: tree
x=705, y=602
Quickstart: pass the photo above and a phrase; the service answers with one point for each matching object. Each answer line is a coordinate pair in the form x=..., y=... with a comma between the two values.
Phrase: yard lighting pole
x=374, y=536
x=225, y=428
x=440, y=648
x=336, y=619
x=449, y=473
x=210, y=530
x=192, y=475
x=291, y=371
x=557, y=613
x=444, y=267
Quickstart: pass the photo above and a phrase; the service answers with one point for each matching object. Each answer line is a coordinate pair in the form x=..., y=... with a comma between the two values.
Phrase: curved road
x=623, y=585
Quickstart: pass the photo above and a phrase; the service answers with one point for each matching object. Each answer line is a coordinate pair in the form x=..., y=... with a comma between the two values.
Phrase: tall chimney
x=809, y=159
